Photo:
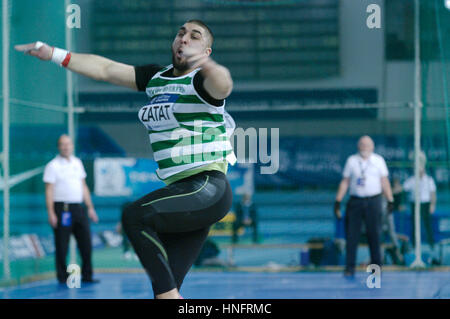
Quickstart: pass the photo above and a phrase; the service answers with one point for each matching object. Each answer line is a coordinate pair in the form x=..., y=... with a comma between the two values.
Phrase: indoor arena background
x=313, y=69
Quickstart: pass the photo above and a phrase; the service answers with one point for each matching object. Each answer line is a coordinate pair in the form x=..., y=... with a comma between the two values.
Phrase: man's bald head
x=64, y=138
x=65, y=146
x=365, y=146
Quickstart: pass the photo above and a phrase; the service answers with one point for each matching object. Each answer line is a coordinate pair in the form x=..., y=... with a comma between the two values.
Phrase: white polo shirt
x=427, y=186
x=67, y=177
x=365, y=175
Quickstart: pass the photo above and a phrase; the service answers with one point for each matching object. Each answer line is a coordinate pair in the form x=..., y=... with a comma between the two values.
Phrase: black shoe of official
x=90, y=281
x=435, y=262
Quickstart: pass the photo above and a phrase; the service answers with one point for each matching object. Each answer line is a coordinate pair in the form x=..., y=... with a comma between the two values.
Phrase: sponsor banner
x=32, y=246
x=33, y=242
x=20, y=247
x=319, y=161
x=48, y=244
x=135, y=177
x=125, y=177
x=241, y=178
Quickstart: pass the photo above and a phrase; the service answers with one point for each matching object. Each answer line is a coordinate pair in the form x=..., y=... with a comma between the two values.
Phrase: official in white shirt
x=366, y=176
x=65, y=191
x=427, y=192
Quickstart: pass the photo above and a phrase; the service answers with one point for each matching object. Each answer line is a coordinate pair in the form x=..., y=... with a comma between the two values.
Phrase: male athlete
x=187, y=126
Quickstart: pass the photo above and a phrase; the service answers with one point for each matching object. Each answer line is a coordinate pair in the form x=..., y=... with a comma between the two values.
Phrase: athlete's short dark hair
x=210, y=36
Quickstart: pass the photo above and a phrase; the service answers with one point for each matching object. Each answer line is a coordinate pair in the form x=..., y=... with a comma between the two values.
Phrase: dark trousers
x=426, y=220
x=168, y=227
x=369, y=210
x=79, y=227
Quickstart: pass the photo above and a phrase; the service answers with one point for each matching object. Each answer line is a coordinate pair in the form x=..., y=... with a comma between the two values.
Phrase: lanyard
x=363, y=170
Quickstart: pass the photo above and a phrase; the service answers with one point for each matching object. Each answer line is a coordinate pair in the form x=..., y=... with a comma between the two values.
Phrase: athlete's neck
x=177, y=72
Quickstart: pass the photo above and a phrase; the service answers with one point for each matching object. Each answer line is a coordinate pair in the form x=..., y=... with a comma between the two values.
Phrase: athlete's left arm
x=218, y=82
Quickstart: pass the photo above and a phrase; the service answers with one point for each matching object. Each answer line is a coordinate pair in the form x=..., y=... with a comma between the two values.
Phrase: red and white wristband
x=61, y=56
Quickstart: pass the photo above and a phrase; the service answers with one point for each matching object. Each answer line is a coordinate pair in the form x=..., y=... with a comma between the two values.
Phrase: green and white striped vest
x=185, y=131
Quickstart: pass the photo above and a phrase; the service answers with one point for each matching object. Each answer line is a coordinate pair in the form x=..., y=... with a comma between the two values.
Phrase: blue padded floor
x=241, y=285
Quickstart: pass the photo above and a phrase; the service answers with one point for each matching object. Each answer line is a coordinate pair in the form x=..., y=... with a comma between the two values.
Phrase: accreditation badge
x=361, y=181
x=66, y=216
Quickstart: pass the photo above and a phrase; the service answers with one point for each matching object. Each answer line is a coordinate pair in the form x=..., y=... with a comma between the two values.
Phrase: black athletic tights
x=168, y=227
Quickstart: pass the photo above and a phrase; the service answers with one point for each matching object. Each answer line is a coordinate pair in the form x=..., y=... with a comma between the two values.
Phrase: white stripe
x=182, y=132
x=182, y=89
x=192, y=149
x=196, y=108
x=199, y=124
x=173, y=135
x=169, y=136
x=167, y=172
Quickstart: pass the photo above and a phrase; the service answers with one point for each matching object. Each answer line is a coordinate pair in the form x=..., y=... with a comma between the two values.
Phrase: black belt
x=67, y=205
x=368, y=197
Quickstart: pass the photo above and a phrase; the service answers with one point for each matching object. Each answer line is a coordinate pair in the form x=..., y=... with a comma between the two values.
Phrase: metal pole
x=418, y=262
x=6, y=204
x=69, y=80
x=70, y=109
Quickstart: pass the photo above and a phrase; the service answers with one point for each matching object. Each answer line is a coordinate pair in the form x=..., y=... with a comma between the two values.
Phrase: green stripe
x=163, y=131
x=211, y=130
x=189, y=99
x=156, y=243
x=188, y=140
x=162, y=82
x=193, y=158
x=179, y=195
x=203, y=116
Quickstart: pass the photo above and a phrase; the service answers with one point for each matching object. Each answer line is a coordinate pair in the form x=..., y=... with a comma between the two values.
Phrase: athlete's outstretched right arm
x=90, y=65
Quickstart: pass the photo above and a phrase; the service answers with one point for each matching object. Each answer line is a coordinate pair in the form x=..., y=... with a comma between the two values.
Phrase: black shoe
x=90, y=281
x=435, y=262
